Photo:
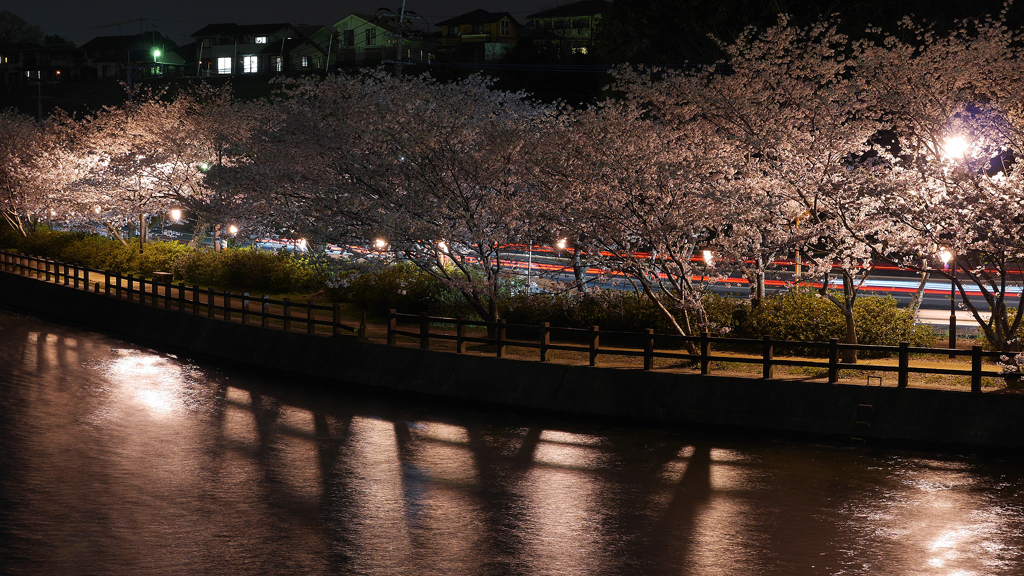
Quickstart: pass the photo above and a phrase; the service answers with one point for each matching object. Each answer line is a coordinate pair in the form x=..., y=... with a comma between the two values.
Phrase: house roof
x=478, y=17
x=212, y=30
x=143, y=41
x=228, y=30
x=372, y=19
x=581, y=8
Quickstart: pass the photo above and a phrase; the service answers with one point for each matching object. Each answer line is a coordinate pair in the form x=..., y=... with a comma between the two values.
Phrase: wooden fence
x=284, y=314
x=702, y=345
x=160, y=291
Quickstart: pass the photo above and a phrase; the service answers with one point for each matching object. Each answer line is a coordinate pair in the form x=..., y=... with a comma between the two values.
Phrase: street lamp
x=176, y=215
x=946, y=256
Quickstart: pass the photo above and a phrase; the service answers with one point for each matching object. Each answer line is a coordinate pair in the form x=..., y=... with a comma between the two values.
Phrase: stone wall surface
x=890, y=414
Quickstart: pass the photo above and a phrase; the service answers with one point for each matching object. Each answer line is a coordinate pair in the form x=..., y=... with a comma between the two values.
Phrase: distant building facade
x=487, y=36
x=139, y=56
x=24, y=63
x=571, y=26
x=229, y=49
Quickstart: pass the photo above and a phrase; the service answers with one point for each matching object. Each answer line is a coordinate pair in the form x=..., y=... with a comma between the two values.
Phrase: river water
x=117, y=459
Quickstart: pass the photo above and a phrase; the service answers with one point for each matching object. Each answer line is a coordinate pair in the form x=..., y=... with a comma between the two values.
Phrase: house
x=148, y=55
x=315, y=49
x=368, y=38
x=570, y=26
x=486, y=35
x=26, y=62
x=229, y=49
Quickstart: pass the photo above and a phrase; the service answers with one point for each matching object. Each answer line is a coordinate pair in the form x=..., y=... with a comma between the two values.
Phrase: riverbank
x=939, y=417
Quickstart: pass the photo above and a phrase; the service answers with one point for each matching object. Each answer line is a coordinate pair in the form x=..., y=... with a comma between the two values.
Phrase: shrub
x=405, y=288
x=245, y=269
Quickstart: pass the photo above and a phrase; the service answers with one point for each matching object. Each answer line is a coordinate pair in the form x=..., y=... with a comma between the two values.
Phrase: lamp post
x=946, y=256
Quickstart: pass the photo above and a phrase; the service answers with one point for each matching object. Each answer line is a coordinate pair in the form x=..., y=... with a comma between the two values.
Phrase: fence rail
x=701, y=346
x=263, y=311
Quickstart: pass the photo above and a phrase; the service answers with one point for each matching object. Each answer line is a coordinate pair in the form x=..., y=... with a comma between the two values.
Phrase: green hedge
x=242, y=269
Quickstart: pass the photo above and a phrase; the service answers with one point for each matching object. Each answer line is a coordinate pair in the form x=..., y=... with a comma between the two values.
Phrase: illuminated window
x=277, y=63
x=248, y=64
x=504, y=28
x=454, y=30
x=261, y=39
x=223, y=65
x=371, y=37
x=305, y=61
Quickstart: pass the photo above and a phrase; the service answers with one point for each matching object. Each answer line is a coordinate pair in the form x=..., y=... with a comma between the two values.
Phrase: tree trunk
x=142, y=231
x=115, y=234
x=577, y=270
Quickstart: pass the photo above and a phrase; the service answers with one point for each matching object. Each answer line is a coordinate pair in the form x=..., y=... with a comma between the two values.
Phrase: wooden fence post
x=195, y=299
x=424, y=331
x=245, y=308
x=117, y=291
x=310, y=318
x=595, y=344
x=67, y=276
x=903, y=375
x=833, y=360
x=131, y=288
x=705, y=352
x=460, y=335
x=227, y=306
x=361, y=331
x=106, y=282
x=767, y=358
x=211, y=302
x=976, y=369
x=502, y=336
x=287, y=312
x=46, y=266
x=74, y=270
x=181, y=296
x=649, y=349
x=392, y=326
x=85, y=280
x=167, y=294
x=265, y=311
x=336, y=320
x=545, y=340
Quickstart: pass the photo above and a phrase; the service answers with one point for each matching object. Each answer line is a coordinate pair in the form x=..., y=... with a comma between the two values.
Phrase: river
x=117, y=459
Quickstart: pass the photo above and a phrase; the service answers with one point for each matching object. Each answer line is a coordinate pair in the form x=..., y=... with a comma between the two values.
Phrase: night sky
x=80, y=21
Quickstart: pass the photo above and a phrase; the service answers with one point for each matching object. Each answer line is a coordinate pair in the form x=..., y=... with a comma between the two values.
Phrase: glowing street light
x=380, y=244
x=232, y=229
x=709, y=258
x=947, y=255
x=955, y=147
x=176, y=214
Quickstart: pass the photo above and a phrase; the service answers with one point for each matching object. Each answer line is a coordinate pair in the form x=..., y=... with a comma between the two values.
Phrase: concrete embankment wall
x=914, y=415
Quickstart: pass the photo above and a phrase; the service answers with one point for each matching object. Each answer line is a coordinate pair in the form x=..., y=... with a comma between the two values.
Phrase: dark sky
x=80, y=21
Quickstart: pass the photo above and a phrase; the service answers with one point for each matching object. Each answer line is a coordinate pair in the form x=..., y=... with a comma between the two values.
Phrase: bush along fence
x=160, y=291
x=498, y=337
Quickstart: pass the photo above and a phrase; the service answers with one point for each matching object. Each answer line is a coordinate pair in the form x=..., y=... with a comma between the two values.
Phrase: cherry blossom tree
x=956, y=103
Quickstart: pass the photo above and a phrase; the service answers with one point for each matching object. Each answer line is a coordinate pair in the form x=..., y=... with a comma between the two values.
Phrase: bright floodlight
x=380, y=243
x=233, y=229
x=156, y=52
x=561, y=244
x=175, y=214
x=302, y=243
x=709, y=258
x=954, y=147
x=945, y=255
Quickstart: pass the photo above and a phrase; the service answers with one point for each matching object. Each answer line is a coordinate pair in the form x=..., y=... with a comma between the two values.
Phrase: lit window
x=261, y=39
x=371, y=37
x=305, y=61
x=223, y=65
x=248, y=64
x=504, y=28
x=277, y=63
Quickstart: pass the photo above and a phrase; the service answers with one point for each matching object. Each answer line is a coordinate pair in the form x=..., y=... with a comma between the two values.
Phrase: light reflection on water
x=119, y=460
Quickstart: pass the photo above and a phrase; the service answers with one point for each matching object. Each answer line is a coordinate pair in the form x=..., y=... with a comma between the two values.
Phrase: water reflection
x=120, y=460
